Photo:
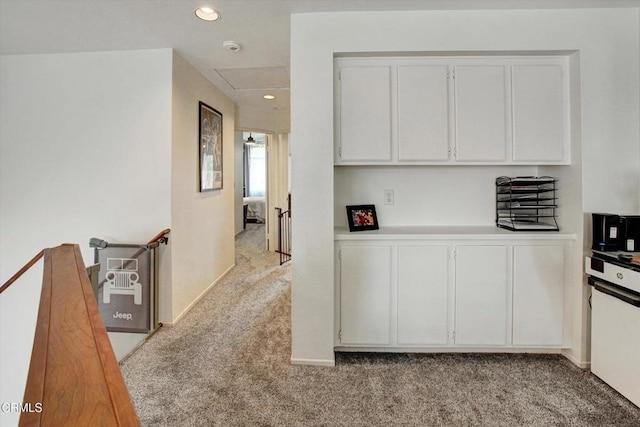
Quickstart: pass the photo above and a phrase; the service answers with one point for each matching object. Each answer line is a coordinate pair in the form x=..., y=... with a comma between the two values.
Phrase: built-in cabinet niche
x=439, y=275
x=452, y=110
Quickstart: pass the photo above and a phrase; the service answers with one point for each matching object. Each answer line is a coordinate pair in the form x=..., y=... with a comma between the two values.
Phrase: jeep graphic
x=122, y=279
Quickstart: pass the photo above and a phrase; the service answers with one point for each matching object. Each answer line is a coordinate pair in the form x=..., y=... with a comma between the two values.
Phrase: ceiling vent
x=256, y=78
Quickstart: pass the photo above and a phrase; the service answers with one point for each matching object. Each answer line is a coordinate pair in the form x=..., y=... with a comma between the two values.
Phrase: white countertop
x=448, y=232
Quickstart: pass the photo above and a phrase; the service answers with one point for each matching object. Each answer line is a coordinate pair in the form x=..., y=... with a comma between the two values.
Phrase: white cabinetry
x=423, y=277
x=365, y=286
x=450, y=292
x=538, y=276
x=365, y=113
x=481, y=113
x=419, y=110
x=423, y=113
x=481, y=295
x=539, y=120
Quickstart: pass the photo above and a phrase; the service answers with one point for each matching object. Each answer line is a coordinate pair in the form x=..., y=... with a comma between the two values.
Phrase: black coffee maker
x=630, y=229
x=607, y=235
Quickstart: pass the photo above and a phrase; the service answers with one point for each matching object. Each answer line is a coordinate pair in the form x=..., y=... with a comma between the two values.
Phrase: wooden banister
x=74, y=375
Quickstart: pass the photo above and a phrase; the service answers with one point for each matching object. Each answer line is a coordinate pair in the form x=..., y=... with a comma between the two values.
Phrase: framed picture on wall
x=362, y=217
x=210, y=144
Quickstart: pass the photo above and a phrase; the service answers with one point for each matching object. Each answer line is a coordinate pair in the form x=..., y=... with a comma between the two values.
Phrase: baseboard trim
x=503, y=350
x=579, y=363
x=313, y=362
x=199, y=297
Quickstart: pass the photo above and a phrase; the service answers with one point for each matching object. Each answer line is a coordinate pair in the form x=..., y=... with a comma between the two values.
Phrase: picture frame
x=362, y=217
x=210, y=148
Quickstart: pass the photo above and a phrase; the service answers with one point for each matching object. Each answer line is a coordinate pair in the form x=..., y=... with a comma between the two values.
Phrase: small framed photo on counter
x=362, y=217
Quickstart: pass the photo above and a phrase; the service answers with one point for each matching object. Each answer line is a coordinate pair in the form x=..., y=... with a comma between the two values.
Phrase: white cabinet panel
x=538, y=113
x=365, y=113
x=423, y=113
x=538, y=280
x=481, y=113
x=615, y=344
x=423, y=294
x=486, y=110
x=481, y=295
x=412, y=294
x=365, y=294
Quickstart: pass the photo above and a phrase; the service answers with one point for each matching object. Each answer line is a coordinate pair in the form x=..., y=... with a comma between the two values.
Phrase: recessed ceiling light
x=269, y=97
x=207, y=14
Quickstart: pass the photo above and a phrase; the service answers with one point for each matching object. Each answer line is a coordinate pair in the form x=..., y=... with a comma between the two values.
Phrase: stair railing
x=284, y=232
x=74, y=377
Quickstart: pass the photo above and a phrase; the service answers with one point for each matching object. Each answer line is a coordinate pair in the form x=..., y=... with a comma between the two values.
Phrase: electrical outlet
x=388, y=197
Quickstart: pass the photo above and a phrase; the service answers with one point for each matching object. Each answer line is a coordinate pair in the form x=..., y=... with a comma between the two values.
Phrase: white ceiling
x=261, y=27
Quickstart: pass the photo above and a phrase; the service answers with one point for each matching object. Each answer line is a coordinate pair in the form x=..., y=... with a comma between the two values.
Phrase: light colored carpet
x=227, y=364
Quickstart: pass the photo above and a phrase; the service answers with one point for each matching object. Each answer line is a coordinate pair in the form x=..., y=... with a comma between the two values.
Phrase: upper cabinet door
x=423, y=113
x=365, y=114
x=539, y=121
x=481, y=113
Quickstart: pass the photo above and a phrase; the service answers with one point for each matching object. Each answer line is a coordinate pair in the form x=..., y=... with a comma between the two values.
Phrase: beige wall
x=202, y=224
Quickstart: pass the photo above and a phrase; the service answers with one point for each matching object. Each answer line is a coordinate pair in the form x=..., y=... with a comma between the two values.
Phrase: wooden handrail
x=74, y=376
x=161, y=236
x=22, y=271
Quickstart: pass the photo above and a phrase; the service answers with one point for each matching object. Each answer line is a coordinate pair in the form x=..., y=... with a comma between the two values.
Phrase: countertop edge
x=448, y=233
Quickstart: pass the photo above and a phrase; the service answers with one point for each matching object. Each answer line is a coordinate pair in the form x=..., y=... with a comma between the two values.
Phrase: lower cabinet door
x=365, y=294
x=538, y=281
x=481, y=295
x=423, y=273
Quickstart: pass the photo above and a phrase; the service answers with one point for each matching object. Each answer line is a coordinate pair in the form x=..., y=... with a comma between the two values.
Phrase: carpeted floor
x=226, y=363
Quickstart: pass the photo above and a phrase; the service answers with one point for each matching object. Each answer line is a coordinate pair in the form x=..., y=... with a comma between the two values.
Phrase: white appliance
x=615, y=322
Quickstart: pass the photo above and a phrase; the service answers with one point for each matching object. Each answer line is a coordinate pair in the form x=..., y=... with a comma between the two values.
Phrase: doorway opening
x=255, y=177
x=254, y=183
x=262, y=183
